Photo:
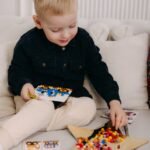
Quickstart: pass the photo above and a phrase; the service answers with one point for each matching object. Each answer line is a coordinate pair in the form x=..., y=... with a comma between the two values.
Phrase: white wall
x=118, y=9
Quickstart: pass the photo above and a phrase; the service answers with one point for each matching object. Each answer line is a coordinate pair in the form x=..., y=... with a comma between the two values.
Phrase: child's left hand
x=117, y=114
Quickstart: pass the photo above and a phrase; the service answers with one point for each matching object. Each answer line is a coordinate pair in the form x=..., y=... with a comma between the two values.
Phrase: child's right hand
x=27, y=91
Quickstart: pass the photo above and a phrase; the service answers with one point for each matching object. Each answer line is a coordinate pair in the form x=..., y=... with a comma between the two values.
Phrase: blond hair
x=56, y=7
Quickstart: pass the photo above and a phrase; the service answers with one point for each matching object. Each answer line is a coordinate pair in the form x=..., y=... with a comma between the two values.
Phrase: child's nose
x=65, y=34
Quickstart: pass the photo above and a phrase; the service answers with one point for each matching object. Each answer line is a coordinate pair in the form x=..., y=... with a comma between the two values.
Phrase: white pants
x=36, y=115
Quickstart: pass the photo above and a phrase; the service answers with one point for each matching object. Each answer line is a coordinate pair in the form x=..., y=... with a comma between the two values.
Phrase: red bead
x=109, y=148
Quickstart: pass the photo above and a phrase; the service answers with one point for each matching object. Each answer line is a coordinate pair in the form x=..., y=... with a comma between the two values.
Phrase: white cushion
x=83, y=23
x=121, y=31
x=11, y=28
x=127, y=62
x=6, y=52
x=6, y=101
x=98, y=31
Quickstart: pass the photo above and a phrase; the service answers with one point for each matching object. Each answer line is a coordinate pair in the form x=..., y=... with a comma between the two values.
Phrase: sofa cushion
x=121, y=31
x=99, y=31
x=6, y=52
x=127, y=62
x=11, y=28
x=7, y=106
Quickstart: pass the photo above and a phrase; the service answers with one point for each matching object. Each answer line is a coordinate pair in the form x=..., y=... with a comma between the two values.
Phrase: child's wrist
x=114, y=103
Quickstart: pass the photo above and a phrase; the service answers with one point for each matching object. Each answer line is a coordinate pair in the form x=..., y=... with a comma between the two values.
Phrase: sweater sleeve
x=98, y=73
x=19, y=71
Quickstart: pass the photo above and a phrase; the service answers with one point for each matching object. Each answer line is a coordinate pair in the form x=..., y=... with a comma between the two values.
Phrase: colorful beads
x=100, y=140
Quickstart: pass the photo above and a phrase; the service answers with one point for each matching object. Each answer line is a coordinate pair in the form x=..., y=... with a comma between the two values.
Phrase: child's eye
x=55, y=30
x=72, y=26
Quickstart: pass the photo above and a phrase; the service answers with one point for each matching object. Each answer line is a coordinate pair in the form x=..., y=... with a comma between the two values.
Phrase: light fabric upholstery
x=121, y=31
x=99, y=31
x=127, y=62
x=6, y=52
x=7, y=106
x=11, y=28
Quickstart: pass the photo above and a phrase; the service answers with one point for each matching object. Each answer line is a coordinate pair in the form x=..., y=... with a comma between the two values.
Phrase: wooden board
x=130, y=143
x=78, y=132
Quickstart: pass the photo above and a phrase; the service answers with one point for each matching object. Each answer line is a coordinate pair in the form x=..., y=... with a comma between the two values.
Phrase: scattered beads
x=99, y=142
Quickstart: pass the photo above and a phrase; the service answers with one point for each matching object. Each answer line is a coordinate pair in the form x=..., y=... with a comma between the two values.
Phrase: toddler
x=57, y=53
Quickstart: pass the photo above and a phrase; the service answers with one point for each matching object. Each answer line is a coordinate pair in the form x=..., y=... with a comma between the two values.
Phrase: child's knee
x=36, y=110
x=88, y=110
x=84, y=111
x=35, y=113
x=42, y=108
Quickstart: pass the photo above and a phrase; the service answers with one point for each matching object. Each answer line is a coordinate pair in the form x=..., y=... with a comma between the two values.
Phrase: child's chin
x=63, y=44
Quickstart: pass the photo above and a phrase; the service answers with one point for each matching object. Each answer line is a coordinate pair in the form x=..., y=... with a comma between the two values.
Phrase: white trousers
x=36, y=115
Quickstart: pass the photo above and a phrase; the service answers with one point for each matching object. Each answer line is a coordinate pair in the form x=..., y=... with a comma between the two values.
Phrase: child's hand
x=27, y=91
x=117, y=114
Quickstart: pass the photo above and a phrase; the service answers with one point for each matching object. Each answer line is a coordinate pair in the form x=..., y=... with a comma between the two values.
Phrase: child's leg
x=78, y=111
x=32, y=117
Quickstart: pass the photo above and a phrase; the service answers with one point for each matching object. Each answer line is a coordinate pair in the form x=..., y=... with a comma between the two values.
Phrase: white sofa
x=126, y=58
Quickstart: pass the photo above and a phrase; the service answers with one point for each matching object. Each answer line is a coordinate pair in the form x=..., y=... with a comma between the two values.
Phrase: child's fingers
x=121, y=121
x=27, y=92
x=31, y=93
x=124, y=121
x=31, y=89
x=117, y=122
x=112, y=116
x=25, y=95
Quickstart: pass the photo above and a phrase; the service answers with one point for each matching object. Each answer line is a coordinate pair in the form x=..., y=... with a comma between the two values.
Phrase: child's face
x=60, y=29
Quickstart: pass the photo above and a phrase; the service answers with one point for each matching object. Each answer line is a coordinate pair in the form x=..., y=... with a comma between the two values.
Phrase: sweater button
x=65, y=65
x=43, y=64
x=63, y=48
x=80, y=67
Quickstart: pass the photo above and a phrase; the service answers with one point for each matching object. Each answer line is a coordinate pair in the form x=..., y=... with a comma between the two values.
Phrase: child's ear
x=37, y=21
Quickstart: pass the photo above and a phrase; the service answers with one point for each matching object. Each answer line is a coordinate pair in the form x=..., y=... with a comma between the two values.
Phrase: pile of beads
x=100, y=140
